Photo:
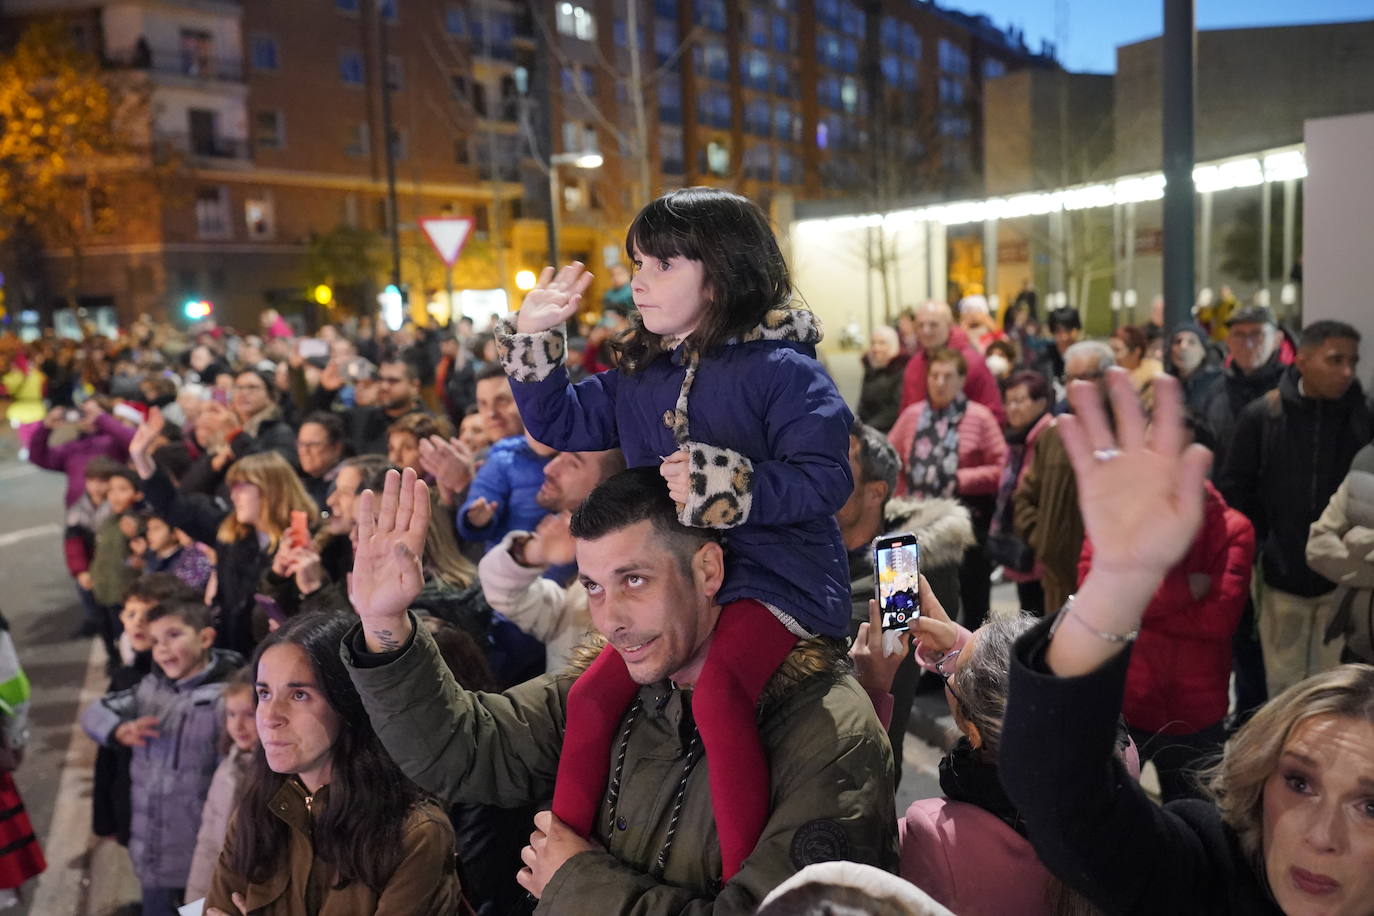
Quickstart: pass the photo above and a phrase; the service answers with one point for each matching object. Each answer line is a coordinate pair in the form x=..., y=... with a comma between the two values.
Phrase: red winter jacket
x=1181, y=664
x=980, y=385
x=982, y=449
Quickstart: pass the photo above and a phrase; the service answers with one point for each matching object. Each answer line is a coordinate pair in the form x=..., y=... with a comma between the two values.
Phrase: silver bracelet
x=1067, y=610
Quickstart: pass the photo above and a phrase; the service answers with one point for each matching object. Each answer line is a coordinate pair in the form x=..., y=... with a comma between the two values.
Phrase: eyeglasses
x=310, y=446
x=1086, y=376
x=948, y=676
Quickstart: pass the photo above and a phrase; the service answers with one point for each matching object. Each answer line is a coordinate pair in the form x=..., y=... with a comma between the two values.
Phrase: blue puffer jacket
x=170, y=774
x=765, y=399
x=510, y=477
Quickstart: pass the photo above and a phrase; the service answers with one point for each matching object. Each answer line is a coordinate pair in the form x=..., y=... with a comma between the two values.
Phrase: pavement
x=85, y=877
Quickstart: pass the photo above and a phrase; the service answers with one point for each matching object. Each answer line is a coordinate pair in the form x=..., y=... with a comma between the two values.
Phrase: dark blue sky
x=1094, y=28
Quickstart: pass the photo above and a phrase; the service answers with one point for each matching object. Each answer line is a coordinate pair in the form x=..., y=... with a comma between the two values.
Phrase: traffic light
x=196, y=309
x=324, y=295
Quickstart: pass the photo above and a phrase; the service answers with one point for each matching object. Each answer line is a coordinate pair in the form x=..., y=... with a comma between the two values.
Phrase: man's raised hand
x=554, y=299
x=386, y=564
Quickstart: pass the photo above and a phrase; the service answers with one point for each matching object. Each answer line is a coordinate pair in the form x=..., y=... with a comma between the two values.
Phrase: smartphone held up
x=896, y=574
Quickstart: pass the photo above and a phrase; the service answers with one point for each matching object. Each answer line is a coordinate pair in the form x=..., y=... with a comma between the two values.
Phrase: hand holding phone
x=300, y=530
x=896, y=577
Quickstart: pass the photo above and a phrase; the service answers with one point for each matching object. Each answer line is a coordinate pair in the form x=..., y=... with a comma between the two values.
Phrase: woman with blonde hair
x=1289, y=825
x=263, y=491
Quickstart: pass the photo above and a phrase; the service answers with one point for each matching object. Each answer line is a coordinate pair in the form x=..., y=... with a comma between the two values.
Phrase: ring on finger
x=1106, y=454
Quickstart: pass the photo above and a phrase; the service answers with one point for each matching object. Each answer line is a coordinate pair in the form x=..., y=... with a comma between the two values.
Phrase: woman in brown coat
x=327, y=825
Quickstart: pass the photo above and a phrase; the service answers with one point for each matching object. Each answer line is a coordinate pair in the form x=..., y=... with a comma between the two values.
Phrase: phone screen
x=896, y=568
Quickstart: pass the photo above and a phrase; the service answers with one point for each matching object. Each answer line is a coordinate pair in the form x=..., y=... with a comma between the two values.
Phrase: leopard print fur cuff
x=530, y=357
x=720, y=487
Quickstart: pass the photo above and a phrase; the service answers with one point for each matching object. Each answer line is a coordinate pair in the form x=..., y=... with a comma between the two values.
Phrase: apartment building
x=277, y=109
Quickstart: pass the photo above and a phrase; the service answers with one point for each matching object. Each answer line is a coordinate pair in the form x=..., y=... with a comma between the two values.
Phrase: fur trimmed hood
x=943, y=527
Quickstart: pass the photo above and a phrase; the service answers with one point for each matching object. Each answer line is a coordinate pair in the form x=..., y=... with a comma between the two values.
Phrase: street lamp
x=583, y=160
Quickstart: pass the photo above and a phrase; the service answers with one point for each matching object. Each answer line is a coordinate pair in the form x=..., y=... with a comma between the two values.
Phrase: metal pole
x=1290, y=201
x=554, y=193
x=1266, y=231
x=1180, y=56
x=1205, y=247
x=1116, y=299
x=448, y=285
x=990, y=260
x=388, y=147
x=1128, y=295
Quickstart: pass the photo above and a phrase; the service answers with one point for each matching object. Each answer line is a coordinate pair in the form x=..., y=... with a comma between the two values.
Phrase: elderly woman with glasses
x=968, y=848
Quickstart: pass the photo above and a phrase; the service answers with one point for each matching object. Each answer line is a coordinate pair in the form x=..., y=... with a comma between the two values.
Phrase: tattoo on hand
x=387, y=640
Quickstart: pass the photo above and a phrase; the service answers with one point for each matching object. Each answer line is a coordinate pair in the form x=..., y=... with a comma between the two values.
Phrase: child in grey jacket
x=240, y=721
x=173, y=719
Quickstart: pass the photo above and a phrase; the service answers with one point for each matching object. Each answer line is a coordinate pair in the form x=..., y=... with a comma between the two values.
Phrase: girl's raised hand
x=554, y=299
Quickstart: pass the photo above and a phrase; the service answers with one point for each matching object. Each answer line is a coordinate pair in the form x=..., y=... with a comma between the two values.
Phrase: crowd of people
x=572, y=613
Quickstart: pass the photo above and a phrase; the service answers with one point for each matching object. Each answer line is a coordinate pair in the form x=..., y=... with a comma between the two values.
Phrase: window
x=100, y=216
x=782, y=33
x=899, y=71
x=262, y=51
x=388, y=9
x=399, y=148
x=351, y=67
x=268, y=132
x=828, y=11
x=758, y=27
x=346, y=6
x=758, y=162
x=711, y=13
x=260, y=216
x=395, y=73
x=670, y=98
x=758, y=117
x=579, y=137
x=716, y=159
x=713, y=107
x=828, y=91
x=953, y=59
x=670, y=150
x=461, y=155
x=828, y=47
x=784, y=122
x=571, y=78
x=575, y=21
x=993, y=68
x=851, y=20
x=784, y=82
x=787, y=169
x=849, y=94
x=665, y=39
x=757, y=69
x=195, y=52
x=359, y=140
x=455, y=20
x=712, y=59
x=212, y=213
x=951, y=91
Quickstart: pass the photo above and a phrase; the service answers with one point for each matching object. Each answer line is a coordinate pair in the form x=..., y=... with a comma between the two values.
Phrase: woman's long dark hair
x=742, y=266
x=360, y=831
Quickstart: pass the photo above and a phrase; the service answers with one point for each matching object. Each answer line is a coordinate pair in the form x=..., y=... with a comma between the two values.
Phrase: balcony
x=217, y=150
x=178, y=62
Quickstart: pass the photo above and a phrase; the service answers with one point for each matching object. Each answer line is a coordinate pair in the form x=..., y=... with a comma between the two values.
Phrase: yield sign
x=448, y=235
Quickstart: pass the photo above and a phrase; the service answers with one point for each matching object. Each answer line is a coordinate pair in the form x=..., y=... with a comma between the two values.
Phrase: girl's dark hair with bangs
x=742, y=266
x=360, y=831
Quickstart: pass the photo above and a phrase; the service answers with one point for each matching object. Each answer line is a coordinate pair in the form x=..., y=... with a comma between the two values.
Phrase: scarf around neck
x=933, y=464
